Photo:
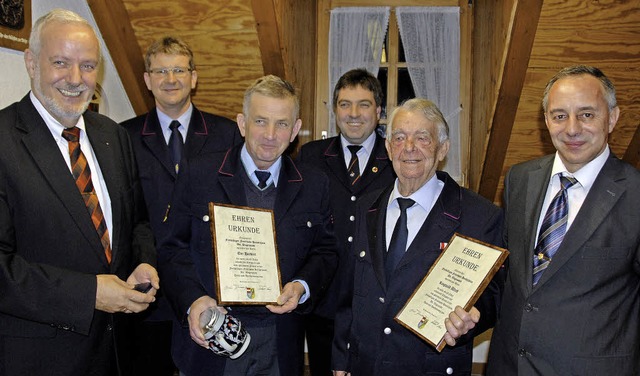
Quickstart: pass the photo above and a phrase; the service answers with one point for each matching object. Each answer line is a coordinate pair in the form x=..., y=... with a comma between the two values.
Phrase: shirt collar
x=367, y=145
x=250, y=167
x=587, y=174
x=425, y=196
x=165, y=119
x=55, y=127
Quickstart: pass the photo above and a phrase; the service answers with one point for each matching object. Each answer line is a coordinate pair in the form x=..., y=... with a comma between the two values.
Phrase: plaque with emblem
x=245, y=254
x=458, y=277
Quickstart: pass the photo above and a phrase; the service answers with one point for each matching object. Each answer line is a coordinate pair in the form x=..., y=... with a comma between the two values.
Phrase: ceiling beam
x=113, y=21
x=264, y=11
x=520, y=37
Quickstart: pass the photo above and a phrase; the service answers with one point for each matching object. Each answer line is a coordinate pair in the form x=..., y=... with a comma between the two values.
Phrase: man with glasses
x=173, y=130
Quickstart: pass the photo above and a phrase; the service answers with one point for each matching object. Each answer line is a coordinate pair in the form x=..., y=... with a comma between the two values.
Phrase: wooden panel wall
x=605, y=34
x=489, y=38
x=223, y=37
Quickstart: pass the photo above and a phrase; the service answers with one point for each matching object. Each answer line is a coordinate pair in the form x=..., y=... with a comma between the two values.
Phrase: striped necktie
x=554, y=226
x=82, y=174
x=353, y=170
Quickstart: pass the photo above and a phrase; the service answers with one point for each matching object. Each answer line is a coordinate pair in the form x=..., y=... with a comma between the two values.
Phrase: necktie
x=353, y=169
x=82, y=173
x=398, y=243
x=262, y=176
x=554, y=225
x=175, y=144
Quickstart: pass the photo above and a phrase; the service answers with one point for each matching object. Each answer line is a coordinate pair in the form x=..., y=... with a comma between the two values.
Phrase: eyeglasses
x=177, y=71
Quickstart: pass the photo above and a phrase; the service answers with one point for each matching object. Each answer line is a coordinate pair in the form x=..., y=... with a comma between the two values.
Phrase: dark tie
x=353, y=170
x=82, y=174
x=175, y=144
x=554, y=225
x=398, y=243
x=262, y=176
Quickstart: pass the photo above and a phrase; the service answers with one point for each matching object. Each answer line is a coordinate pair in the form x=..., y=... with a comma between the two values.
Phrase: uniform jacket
x=367, y=339
x=50, y=252
x=207, y=133
x=327, y=155
x=305, y=240
x=583, y=316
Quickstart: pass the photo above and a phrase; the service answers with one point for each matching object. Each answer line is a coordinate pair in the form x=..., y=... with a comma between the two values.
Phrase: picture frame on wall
x=15, y=24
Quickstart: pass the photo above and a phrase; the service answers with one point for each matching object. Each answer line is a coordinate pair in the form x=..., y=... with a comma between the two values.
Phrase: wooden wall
x=225, y=42
x=605, y=34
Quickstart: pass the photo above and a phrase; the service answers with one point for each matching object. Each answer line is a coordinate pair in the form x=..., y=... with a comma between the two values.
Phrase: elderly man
x=73, y=242
x=386, y=267
x=254, y=174
x=572, y=305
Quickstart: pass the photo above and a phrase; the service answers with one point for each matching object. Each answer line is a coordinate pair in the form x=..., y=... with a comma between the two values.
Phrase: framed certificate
x=246, y=255
x=457, y=278
x=15, y=24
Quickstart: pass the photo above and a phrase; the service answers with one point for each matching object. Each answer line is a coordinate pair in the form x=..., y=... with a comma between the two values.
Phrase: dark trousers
x=152, y=349
x=319, y=334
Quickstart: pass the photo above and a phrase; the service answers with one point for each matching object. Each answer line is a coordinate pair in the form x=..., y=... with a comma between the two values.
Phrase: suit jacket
x=367, y=339
x=583, y=316
x=207, y=133
x=327, y=155
x=50, y=252
x=305, y=240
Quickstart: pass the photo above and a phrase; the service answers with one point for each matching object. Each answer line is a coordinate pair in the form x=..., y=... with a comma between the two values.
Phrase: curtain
x=431, y=39
x=356, y=37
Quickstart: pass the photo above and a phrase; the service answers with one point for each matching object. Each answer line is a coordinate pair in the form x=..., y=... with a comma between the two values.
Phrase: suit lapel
x=153, y=138
x=378, y=162
x=376, y=220
x=230, y=178
x=46, y=154
x=441, y=223
x=196, y=134
x=536, y=186
x=289, y=185
x=102, y=145
x=334, y=158
x=602, y=197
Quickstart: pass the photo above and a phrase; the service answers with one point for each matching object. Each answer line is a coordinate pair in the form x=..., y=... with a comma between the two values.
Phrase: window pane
x=401, y=58
x=405, y=88
x=383, y=77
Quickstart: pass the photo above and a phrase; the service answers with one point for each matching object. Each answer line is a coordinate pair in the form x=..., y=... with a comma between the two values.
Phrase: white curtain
x=431, y=39
x=356, y=37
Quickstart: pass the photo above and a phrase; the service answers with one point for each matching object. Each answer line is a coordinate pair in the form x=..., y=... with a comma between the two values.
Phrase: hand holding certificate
x=457, y=278
x=246, y=255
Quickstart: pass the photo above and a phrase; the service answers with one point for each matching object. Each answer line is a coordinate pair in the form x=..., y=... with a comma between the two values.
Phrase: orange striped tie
x=82, y=173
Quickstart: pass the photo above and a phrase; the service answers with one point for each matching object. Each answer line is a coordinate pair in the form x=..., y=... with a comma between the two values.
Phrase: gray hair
x=426, y=108
x=577, y=70
x=58, y=15
x=273, y=87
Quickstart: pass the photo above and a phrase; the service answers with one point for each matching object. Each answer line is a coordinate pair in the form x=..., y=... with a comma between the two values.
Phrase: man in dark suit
x=357, y=100
x=171, y=76
x=578, y=312
x=299, y=198
x=74, y=239
x=385, y=267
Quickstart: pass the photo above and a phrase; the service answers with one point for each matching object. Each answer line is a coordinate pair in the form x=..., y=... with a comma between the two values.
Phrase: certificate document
x=245, y=254
x=457, y=278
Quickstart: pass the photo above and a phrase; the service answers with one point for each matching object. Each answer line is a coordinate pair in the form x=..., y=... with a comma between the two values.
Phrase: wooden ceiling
x=518, y=46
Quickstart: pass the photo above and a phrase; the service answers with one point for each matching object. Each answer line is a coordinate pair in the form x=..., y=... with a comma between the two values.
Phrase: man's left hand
x=288, y=299
x=459, y=323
